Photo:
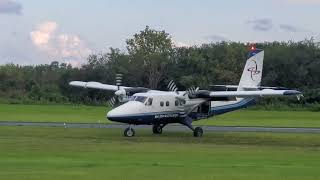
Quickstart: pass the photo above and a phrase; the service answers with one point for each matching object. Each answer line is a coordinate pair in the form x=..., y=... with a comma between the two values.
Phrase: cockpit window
x=140, y=99
x=132, y=98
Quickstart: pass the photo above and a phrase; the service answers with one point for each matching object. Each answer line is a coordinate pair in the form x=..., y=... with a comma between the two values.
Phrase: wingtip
x=292, y=93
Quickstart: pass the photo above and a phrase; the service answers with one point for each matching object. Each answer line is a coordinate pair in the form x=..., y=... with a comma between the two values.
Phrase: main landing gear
x=197, y=132
x=157, y=128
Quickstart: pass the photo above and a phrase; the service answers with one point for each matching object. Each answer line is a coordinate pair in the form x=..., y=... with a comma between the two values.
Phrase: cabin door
x=204, y=108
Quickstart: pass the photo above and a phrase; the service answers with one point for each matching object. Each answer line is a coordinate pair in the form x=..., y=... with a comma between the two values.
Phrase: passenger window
x=167, y=103
x=161, y=103
x=149, y=102
x=176, y=103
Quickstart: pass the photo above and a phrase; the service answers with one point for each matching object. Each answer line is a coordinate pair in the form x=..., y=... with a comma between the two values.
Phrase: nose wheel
x=129, y=132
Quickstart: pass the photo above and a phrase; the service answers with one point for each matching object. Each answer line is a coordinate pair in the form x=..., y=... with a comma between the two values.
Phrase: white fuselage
x=160, y=106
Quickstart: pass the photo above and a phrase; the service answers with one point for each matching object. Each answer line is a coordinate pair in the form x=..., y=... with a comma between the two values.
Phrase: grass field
x=58, y=153
x=52, y=113
x=95, y=114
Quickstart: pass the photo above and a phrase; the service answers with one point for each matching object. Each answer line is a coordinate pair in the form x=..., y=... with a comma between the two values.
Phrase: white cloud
x=43, y=33
x=69, y=47
x=180, y=44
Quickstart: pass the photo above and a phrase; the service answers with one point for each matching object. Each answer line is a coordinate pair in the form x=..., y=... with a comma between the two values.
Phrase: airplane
x=143, y=106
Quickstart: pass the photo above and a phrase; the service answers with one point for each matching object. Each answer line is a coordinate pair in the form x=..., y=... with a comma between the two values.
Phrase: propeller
x=172, y=86
x=120, y=96
x=119, y=80
x=300, y=96
x=191, y=91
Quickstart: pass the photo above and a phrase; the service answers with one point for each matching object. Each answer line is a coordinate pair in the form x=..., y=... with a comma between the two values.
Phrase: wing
x=235, y=87
x=258, y=93
x=95, y=85
x=108, y=87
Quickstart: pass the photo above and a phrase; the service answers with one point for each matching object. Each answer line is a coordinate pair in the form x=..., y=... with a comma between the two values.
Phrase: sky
x=38, y=32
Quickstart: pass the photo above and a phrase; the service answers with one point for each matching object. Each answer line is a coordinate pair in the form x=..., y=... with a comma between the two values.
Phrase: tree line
x=151, y=60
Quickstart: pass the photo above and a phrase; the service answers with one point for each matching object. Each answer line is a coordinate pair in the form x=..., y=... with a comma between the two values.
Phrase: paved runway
x=169, y=127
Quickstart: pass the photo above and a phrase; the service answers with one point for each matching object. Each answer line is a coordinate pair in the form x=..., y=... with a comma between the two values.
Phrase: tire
x=198, y=132
x=157, y=129
x=129, y=132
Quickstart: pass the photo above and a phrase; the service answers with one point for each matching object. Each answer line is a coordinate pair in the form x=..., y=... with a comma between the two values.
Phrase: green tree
x=155, y=50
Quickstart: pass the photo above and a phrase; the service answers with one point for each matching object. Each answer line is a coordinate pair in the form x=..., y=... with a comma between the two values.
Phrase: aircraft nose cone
x=121, y=113
x=112, y=114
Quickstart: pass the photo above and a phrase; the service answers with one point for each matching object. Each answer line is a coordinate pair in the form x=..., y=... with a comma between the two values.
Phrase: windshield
x=141, y=99
x=138, y=98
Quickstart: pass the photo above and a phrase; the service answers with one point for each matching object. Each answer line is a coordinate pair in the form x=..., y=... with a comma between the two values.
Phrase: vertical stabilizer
x=252, y=73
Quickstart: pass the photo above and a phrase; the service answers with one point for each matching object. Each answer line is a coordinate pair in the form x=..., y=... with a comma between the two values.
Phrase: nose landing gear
x=129, y=132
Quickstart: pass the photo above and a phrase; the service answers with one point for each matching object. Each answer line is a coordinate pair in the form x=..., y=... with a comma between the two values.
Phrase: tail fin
x=252, y=73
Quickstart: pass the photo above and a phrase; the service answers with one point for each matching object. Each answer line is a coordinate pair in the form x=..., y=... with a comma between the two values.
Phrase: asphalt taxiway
x=167, y=128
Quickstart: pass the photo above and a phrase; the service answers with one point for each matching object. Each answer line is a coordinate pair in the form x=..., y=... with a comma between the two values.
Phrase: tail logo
x=254, y=70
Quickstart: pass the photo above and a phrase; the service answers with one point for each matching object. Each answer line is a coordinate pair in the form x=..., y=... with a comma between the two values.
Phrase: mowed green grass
x=96, y=114
x=53, y=113
x=57, y=153
x=265, y=118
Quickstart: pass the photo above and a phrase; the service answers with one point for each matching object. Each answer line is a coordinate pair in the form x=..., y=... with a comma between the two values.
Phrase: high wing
x=95, y=85
x=259, y=93
x=107, y=87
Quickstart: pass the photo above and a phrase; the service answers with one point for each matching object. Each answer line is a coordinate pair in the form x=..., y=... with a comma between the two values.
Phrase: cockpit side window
x=149, y=102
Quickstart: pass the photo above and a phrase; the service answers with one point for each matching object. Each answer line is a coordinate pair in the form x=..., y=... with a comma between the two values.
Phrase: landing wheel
x=129, y=132
x=198, y=132
x=157, y=129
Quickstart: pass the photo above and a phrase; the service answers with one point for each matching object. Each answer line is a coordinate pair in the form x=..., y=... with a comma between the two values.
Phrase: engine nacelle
x=120, y=92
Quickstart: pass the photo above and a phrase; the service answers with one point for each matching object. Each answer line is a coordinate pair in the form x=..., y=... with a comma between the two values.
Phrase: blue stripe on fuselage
x=149, y=118
x=232, y=107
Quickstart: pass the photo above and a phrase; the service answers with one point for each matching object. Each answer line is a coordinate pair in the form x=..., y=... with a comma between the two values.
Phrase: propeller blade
x=191, y=91
x=172, y=86
x=112, y=101
x=119, y=80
